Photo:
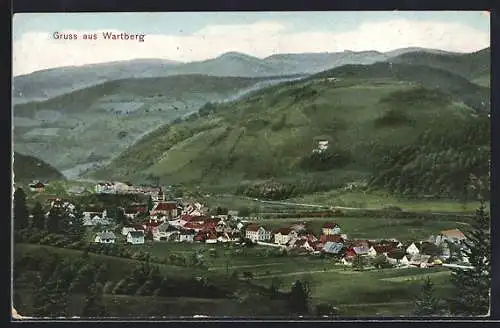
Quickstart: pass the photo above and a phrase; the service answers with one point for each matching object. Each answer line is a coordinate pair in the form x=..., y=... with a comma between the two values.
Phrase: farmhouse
x=105, y=237
x=420, y=260
x=135, y=237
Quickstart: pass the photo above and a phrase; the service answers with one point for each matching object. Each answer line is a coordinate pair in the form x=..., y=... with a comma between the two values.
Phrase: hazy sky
x=198, y=36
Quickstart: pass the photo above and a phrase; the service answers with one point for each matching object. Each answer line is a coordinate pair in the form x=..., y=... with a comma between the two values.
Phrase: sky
x=192, y=36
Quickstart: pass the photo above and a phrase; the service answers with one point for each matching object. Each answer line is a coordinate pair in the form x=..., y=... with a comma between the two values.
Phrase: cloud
x=39, y=50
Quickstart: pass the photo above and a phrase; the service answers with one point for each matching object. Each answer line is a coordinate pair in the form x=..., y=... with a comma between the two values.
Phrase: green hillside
x=92, y=125
x=31, y=168
x=469, y=66
x=390, y=124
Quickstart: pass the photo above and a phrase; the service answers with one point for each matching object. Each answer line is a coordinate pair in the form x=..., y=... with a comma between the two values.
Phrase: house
x=193, y=226
x=404, y=261
x=221, y=226
x=298, y=227
x=150, y=225
x=284, y=235
x=331, y=228
x=105, y=188
x=135, y=237
x=454, y=236
x=187, y=235
x=349, y=254
x=420, y=260
x=211, y=237
x=394, y=257
x=333, y=248
x=361, y=250
x=195, y=209
x=96, y=221
x=257, y=233
x=125, y=230
x=384, y=247
x=372, y=252
x=412, y=249
x=331, y=238
x=159, y=196
x=168, y=209
x=105, y=237
x=133, y=211
x=322, y=146
x=37, y=187
x=160, y=231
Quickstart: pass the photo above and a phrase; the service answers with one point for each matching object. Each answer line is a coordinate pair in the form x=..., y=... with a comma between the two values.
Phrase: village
x=179, y=221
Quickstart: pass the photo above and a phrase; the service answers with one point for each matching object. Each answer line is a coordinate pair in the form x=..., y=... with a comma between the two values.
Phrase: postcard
x=251, y=165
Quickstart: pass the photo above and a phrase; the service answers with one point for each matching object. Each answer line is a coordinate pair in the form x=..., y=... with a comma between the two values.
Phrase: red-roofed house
x=331, y=228
x=167, y=209
x=193, y=226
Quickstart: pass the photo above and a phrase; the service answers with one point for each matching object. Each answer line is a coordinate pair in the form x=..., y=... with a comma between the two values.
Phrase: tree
x=38, y=217
x=94, y=305
x=244, y=211
x=120, y=217
x=380, y=262
x=473, y=286
x=149, y=235
x=54, y=218
x=21, y=214
x=426, y=304
x=358, y=263
x=276, y=284
x=299, y=297
x=150, y=203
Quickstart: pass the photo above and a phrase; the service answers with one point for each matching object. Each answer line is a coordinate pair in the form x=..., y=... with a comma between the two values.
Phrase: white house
x=404, y=261
x=187, y=236
x=105, y=237
x=125, y=230
x=321, y=147
x=412, y=250
x=257, y=233
x=454, y=236
x=284, y=235
x=372, y=252
x=135, y=237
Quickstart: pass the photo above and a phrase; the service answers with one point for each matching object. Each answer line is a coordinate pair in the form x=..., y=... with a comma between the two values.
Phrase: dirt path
x=306, y=272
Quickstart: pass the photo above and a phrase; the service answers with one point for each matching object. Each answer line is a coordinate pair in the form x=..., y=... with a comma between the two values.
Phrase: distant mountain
x=470, y=66
x=403, y=127
x=50, y=83
x=31, y=168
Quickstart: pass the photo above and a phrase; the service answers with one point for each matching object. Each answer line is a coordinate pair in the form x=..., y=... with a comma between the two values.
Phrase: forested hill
x=409, y=129
x=30, y=168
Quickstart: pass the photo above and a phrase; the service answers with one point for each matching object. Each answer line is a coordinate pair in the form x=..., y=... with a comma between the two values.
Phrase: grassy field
x=370, y=292
x=380, y=199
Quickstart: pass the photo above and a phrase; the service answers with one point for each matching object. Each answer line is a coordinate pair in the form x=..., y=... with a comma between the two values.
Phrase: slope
x=470, y=65
x=86, y=127
x=27, y=168
x=366, y=115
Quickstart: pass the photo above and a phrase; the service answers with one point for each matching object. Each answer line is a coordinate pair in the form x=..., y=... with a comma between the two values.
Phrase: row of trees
x=472, y=287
